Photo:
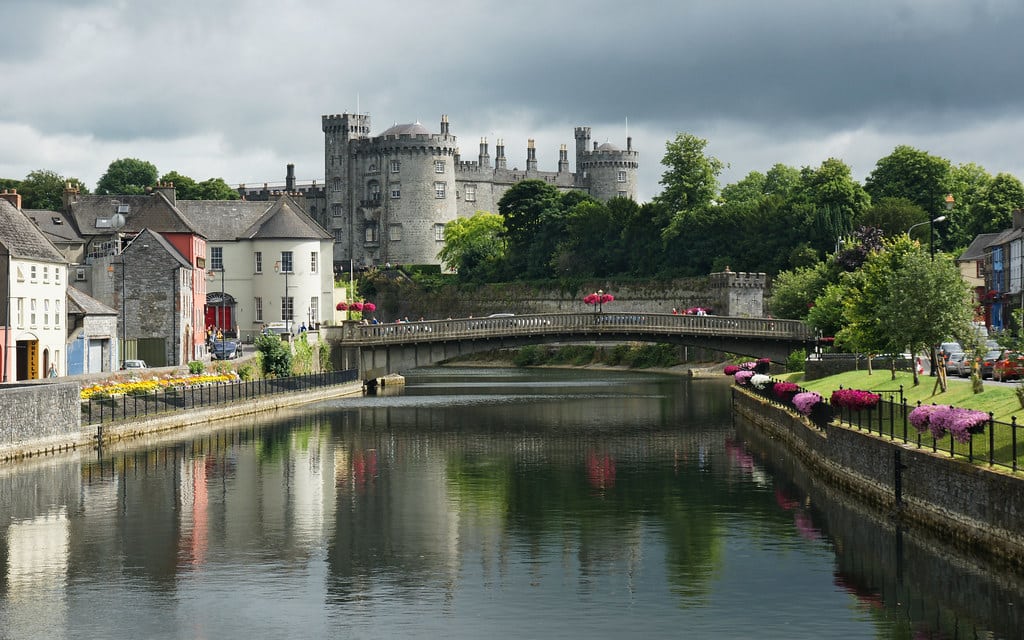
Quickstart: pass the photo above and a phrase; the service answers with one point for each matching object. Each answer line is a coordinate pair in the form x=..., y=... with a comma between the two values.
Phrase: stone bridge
x=377, y=350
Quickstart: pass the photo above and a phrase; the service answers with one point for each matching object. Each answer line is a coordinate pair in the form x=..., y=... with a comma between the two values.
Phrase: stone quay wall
x=976, y=508
x=47, y=414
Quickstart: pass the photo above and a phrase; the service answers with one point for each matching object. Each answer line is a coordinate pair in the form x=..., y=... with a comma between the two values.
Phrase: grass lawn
x=1001, y=400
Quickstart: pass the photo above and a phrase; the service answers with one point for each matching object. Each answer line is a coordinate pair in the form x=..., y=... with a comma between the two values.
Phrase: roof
x=407, y=129
x=55, y=225
x=23, y=239
x=231, y=220
x=80, y=302
x=95, y=215
x=976, y=250
x=147, y=235
x=608, y=147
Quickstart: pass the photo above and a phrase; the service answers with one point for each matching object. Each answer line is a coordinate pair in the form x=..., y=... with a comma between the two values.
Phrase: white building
x=33, y=281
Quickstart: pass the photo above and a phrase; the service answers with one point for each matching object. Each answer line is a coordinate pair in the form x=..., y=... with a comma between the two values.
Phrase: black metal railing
x=170, y=399
x=996, y=444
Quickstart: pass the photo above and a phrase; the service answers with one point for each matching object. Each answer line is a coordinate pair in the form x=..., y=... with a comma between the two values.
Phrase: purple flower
x=743, y=377
x=854, y=399
x=941, y=419
x=804, y=402
x=731, y=369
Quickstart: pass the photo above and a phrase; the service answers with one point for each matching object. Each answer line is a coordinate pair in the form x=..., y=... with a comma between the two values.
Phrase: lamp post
x=931, y=223
x=218, y=318
x=279, y=268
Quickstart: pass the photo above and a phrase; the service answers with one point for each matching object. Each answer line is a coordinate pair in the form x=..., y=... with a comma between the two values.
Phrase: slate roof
x=976, y=250
x=55, y=225
x=23, y=239
x=148, y=235
x=231, y=220
x=153, y=211
x=81, y=303
x=413, y=129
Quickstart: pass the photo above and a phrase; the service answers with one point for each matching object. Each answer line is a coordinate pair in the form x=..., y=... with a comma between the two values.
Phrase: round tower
x=608, y=171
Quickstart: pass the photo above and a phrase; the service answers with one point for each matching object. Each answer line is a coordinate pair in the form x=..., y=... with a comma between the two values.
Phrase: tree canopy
x=44, y=189
x=127, y=176
x=474, y=247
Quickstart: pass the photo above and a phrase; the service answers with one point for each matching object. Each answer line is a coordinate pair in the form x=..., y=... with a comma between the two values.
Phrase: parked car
x=947, y=349
x=225, y=349
x=134, y=364
x=988, y=363
x=1009, y=366
x=954, y=363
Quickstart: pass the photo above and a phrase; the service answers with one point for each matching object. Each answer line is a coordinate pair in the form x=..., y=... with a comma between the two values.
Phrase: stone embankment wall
x=974, y=507
x=829, y=364
x=48, y=415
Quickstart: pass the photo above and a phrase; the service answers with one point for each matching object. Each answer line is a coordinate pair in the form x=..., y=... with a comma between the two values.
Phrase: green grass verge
x=1001, y=400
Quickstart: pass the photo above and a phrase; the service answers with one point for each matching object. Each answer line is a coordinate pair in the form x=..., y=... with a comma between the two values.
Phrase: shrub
x=618, y=355
x=246, y=372
x=276, y=356
x=806, y=401
x=743, y=377
x=730, y=369
x=785, y=390
x=760, y=380
x=530, y=356
x=796, y=359
x=941, y=419
x=854, y=399
x=196, y=366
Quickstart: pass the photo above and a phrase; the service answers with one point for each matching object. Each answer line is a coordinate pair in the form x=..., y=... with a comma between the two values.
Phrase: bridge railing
x=573, y=323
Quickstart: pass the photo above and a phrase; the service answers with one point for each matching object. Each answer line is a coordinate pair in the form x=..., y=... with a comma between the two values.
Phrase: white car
x=134, y=364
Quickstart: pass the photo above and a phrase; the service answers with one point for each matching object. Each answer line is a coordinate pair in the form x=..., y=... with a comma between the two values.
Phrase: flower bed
x=805, y=402
x=785, y=390
x=940, y=419
x=854, y=399
x=152, y=385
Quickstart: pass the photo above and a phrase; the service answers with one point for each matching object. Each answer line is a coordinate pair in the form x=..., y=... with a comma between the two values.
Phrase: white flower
x=759, y=380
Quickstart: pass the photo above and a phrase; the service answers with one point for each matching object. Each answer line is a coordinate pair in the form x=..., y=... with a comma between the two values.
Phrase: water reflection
x=517, y=504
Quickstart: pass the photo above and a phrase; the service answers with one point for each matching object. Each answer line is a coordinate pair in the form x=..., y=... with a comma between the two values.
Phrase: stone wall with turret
x=739, y=293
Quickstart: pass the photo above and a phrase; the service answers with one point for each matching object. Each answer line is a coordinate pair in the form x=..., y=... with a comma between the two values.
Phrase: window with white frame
x=57, y=273
x=32, y=273
x=21, y=274
x=257, y=259
x=217, y=258
x=314, y=309
x=258, y=308
x=79, y=274
x=314, y=262
x=372, y=233
x=286, y=308
x=32, y=312
x=439, y=233
x=395, y=166
x=438, y=166
x=439, y=189
x=21, y=312
x=396, y=191
x=46, y=274
x=286, y=262
x=470, y=193
x=622, y=176
x=395, y=232
x=56, y=313
x=46, y=313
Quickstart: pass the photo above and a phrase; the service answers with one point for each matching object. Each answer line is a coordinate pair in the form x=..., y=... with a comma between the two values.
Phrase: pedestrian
x=302, y=328
x=675, y=311
x=53, y=371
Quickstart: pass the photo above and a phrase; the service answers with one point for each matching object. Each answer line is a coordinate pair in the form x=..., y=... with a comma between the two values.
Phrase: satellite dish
x=117, y=221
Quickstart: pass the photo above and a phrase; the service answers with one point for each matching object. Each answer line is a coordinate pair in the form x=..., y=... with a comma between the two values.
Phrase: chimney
x=1018, y=218
x=70, y=195
x=167, y=188
x=289, y=180
x=13, y=197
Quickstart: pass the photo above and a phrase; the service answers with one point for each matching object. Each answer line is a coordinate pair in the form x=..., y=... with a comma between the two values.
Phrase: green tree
x=966, y=182
x=184, y=187
x=912, y=174
x=835, y=201
x=690, y=178
x=44, y=189
x=993, y=211
x=782, y=180
x=475, y=246
x=275, y=356
x=533, y=214
x=894, y=216
x=127, y=176
x=216, y=189
x=793, y=292
x=750, y=188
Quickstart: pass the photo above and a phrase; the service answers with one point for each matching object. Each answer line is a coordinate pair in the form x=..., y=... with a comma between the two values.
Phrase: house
x=92, y=334
x=972, y=269
x=33, y=277
x=1003, y=291
x=267, y=261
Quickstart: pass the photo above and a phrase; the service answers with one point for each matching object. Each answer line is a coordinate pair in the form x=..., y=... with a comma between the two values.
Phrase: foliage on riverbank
x=634, y=356
x=1000, y=400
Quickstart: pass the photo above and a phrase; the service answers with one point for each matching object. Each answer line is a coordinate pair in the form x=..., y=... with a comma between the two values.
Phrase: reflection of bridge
x=380, y=349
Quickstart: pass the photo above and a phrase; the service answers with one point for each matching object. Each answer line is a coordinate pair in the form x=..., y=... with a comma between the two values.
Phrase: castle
x=387, y=198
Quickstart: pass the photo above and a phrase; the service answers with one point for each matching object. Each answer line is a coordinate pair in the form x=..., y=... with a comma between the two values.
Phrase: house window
x=622, y=176
x=258, y=309
x=217, y=258
x=21, y=312
x=439, y=232
x=979, y=269
x=56, y=313
x=286, y=262
x=56, y=274
x=396, y=191
x=257, y=257
x=395, y=232
x=46, y=274
x=21, y=274
x=32, y=313
x=314, y=309
x=470, y=193
x=372, y=233
x=439, y=189
x=314, y=260
x=395, y=166
x=438, y=166
x=286, y=308
x=32, y=273
x=46, y=313
x=79, y=274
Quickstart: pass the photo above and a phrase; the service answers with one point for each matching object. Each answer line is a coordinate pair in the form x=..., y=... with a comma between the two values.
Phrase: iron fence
x=996, y=444
x=171, y=399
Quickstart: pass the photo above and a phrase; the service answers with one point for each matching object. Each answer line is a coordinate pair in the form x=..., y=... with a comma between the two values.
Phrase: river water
x=475, y=503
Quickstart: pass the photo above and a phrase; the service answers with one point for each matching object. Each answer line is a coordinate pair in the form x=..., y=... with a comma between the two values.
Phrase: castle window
x=395, y=166
x=438, y=166
x=372, y=233
x=374, y=189
x=336, y=209
x=622, y=194
x=396, y=191
x=336, y=184
x=470, y=193
x=439, y=233
x=395, y=232
x=439, y=189
x=622, y=176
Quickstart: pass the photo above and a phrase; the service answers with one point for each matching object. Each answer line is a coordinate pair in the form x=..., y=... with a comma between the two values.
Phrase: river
x=473, y=503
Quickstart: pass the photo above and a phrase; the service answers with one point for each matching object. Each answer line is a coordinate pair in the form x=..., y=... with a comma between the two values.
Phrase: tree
x=276, y=356
x=216, y=189
x=691, y=178
x=912, y=174
x=782, y=180
x=184, y=186
x=750, y=188
x=835, y=201
x=44, y=189
x=993, y=211
x=894, y=216
x=473, y=247
x=794, y=292
x=966, y=183
x=127, y=176
x=532, y=210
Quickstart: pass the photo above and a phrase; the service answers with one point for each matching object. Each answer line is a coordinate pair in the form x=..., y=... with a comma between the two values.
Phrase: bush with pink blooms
x=785, y=390
x=805, y=401
x=731, y=369
x=743, y=377
x=940, y=419
x=854, y=399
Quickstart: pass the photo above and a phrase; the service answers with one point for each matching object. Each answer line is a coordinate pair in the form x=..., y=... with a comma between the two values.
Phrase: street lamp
x=279, y=269
x=931, y=223
x=218, y=318
x=931, y=231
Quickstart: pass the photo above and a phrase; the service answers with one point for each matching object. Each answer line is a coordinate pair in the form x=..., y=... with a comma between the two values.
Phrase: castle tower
x=582, y=135
x=563, y=160
x=531, y=156
x=340, y=131
x=738, y=294
x=606, y=172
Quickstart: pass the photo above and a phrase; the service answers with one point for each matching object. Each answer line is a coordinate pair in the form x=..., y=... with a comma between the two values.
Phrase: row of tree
x=44, y=189
x=782, y=219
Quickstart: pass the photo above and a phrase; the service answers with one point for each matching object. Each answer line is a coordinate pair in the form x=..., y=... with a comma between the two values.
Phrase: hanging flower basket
x=342, y=306
x=854, y=399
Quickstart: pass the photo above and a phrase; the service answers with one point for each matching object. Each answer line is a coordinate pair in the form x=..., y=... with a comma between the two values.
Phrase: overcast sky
x=235, y=89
